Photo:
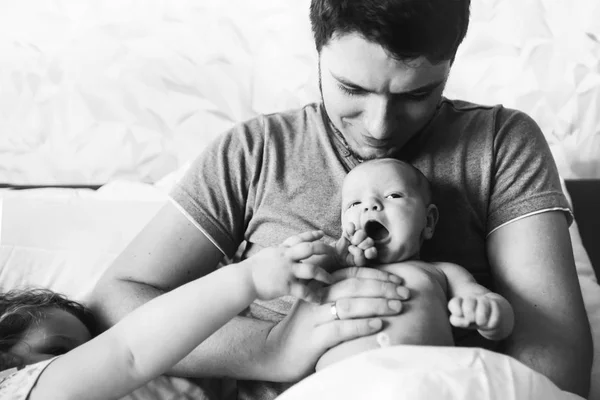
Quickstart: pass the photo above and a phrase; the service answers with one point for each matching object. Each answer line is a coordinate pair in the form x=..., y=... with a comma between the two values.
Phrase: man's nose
x=372, y=204
x=378, y=118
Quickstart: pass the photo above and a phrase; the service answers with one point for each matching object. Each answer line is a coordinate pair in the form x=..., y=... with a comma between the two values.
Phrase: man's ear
x=432, y=219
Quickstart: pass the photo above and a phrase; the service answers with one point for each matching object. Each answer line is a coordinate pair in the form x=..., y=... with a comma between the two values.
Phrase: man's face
x=377, y=102
x=385, y=199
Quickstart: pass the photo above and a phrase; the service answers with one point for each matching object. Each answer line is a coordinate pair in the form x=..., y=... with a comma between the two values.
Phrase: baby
x=387, y=213
x=46, y=345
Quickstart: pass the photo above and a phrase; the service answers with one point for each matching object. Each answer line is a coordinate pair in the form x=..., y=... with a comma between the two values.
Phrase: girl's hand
x=278, y=271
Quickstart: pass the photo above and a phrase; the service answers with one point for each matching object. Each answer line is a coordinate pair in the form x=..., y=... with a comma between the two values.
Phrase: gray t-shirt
x=281, y=174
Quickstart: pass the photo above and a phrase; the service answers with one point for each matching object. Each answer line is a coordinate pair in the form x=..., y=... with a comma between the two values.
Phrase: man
x=383, y=66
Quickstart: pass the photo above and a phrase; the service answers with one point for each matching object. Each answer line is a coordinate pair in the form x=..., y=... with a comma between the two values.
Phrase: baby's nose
x=372, y=205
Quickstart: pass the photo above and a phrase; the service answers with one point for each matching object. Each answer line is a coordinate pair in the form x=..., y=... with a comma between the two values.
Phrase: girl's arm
x=161, y=332
x=474, y=306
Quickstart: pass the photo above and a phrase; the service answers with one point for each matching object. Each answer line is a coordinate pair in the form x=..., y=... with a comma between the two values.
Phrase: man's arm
x=167, y=253
x=532, y=264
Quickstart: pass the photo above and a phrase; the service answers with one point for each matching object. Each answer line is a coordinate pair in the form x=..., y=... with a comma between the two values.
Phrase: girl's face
x=58, y=333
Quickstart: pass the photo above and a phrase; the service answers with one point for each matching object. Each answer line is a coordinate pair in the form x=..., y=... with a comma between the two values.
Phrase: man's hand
x=355, y=248
x=360, y=296
x=489, y=313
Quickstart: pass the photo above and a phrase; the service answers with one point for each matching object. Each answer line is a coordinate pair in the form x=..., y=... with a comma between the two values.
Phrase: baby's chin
x=385, y=256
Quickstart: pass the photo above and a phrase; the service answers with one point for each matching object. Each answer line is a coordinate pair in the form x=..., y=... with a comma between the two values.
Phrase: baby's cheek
x=351, y=216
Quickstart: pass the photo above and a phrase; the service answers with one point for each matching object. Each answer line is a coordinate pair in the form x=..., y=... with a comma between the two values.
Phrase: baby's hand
x=279, y=270
x=355, y=248
x=489, y=313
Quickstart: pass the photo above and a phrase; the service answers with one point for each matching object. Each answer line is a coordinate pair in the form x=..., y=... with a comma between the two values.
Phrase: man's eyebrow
x=425, y=88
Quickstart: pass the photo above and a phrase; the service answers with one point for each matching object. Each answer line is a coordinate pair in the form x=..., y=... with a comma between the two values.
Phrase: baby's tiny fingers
x=494, y=317
x=455, y=307
x=482, y=313
x=303, y=250
x=371, y=253
x=358, y=255
x=358, y=237
x=468, y=308
x=366, y=244
x=304, y=292
x=349, y=229
x=459, y=322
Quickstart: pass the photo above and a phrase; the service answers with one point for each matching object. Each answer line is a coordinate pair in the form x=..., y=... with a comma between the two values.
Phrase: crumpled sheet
x=94, y=90
x=425, y=373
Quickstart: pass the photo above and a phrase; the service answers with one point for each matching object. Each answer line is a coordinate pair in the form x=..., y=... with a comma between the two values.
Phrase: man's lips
x=376, y=143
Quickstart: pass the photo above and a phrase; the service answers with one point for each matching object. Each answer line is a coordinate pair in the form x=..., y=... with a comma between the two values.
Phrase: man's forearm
x=566, y=362
x=235, y=350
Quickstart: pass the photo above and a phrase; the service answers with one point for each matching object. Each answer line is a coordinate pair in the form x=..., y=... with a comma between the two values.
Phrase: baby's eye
x=354, y=204
x=394, y=196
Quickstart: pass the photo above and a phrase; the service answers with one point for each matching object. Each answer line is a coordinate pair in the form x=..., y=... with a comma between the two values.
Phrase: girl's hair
x=20, y=309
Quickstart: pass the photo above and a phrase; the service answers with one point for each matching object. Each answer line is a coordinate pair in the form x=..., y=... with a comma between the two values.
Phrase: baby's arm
x=474, y=306
x=354, y=248
x=160, y=333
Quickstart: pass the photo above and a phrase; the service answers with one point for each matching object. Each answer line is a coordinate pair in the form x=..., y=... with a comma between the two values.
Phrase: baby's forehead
x=379, y=171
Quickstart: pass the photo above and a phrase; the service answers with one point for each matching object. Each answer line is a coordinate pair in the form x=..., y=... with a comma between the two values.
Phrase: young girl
x=50, y=335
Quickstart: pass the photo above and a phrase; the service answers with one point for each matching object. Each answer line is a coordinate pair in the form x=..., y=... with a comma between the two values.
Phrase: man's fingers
x=360, y=308
x=336, y=332
x=355, y=288
x=302, y=237
x=365, y=273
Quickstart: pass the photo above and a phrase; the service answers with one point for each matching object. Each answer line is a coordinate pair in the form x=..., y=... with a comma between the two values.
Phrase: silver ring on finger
x=334, y=311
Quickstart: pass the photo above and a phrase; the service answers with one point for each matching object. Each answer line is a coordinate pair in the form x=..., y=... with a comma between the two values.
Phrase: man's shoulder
x=454, y=110
x=311, y=112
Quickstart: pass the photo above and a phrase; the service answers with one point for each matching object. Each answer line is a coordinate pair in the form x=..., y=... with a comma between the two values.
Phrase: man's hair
x=407, y=29
x=20, y=309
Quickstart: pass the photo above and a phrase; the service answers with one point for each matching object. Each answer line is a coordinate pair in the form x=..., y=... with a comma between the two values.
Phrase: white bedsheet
x=425, y=373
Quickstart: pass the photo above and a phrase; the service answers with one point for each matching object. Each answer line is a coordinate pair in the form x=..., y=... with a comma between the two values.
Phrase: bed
x=105, y=102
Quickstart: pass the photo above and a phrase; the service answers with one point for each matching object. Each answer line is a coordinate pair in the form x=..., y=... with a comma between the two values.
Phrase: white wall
x=92, y=90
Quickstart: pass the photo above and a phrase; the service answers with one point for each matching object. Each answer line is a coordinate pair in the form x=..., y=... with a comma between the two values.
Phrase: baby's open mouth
x=376, y=230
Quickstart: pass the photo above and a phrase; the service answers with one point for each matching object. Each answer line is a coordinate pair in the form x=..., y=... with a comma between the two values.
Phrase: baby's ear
x=432, y=219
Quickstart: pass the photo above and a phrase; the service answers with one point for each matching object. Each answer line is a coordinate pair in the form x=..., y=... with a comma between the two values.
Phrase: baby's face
x=58, y=333
x=385, y=200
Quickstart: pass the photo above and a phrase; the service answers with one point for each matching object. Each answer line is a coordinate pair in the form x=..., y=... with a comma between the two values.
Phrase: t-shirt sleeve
x=216, y=192
x=526, y=179
x=17, y=384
